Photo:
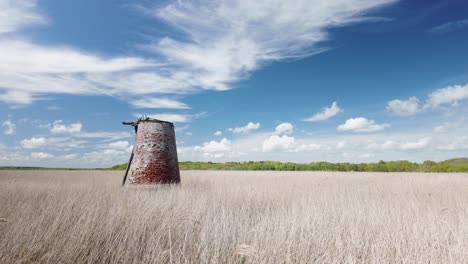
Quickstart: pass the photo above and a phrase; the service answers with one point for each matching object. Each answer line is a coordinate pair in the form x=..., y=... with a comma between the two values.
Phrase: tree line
x=452, y=165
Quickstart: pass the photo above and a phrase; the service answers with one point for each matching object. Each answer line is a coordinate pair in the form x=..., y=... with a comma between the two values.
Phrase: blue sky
x=302, y=80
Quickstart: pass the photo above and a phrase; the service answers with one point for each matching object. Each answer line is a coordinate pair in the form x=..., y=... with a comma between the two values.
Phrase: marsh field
x=234, y=217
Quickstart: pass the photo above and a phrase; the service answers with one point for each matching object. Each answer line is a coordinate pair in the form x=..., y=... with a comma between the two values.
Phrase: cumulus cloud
x=451, y=95
x=158, y=103
x=326, y=113
x=224, y=145
x=218, y=133
x=284, y=128
x=33, y=142
x=41, y=155
x=404, y=107
x=361, y=124
x=278, y=143
x=249, y=127
x=10, y=127
x=51, y=142
x=58, y=127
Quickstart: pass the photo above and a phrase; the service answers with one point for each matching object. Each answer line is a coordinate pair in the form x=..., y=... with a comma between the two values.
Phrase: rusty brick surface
x=154, y=154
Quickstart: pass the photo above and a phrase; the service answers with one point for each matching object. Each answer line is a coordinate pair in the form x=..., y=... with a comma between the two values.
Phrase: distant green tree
x=453, y=165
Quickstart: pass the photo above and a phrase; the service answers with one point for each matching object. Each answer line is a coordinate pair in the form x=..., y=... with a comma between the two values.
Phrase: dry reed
x=234, y=217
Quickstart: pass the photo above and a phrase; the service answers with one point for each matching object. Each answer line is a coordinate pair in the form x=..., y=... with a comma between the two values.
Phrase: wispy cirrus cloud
x=16, y=14
x=450, y=26
x=171, y=117
x=222, y=48
x=217, y=48
x=158, y=103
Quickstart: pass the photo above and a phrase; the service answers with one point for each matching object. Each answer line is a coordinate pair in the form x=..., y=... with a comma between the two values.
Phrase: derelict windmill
x=154, y=155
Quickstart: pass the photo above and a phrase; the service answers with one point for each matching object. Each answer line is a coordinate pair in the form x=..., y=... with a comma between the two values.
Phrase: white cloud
x=404, y=107
x=457, y=143
x=10, y=127
x=326, y=113
x=103, y=134
x=119, y=145
x=223, y=54
x=450, y=26
x=249, y=127
x=16, y=14
x=449, y=126
x=449, y=95
x=41, y=155
x=70, y=156
x=284, y=128
x=158, y=103
x=124, y=146
x=175, y=118
x=414, y=145
x=103, y=158
x=409, y=145
x=33, y=142
x=218, y=133
x=307, y=147
x=54, y=108
x=361, y=124
x=59, y=60
x=58, y=143
x=224, y=145
x=440, y=129
x=29, y=70
x=58, y=127
x=420, y=144
x=278, y=143
x=211, y=57
x=16, y=97
x=341, y=144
